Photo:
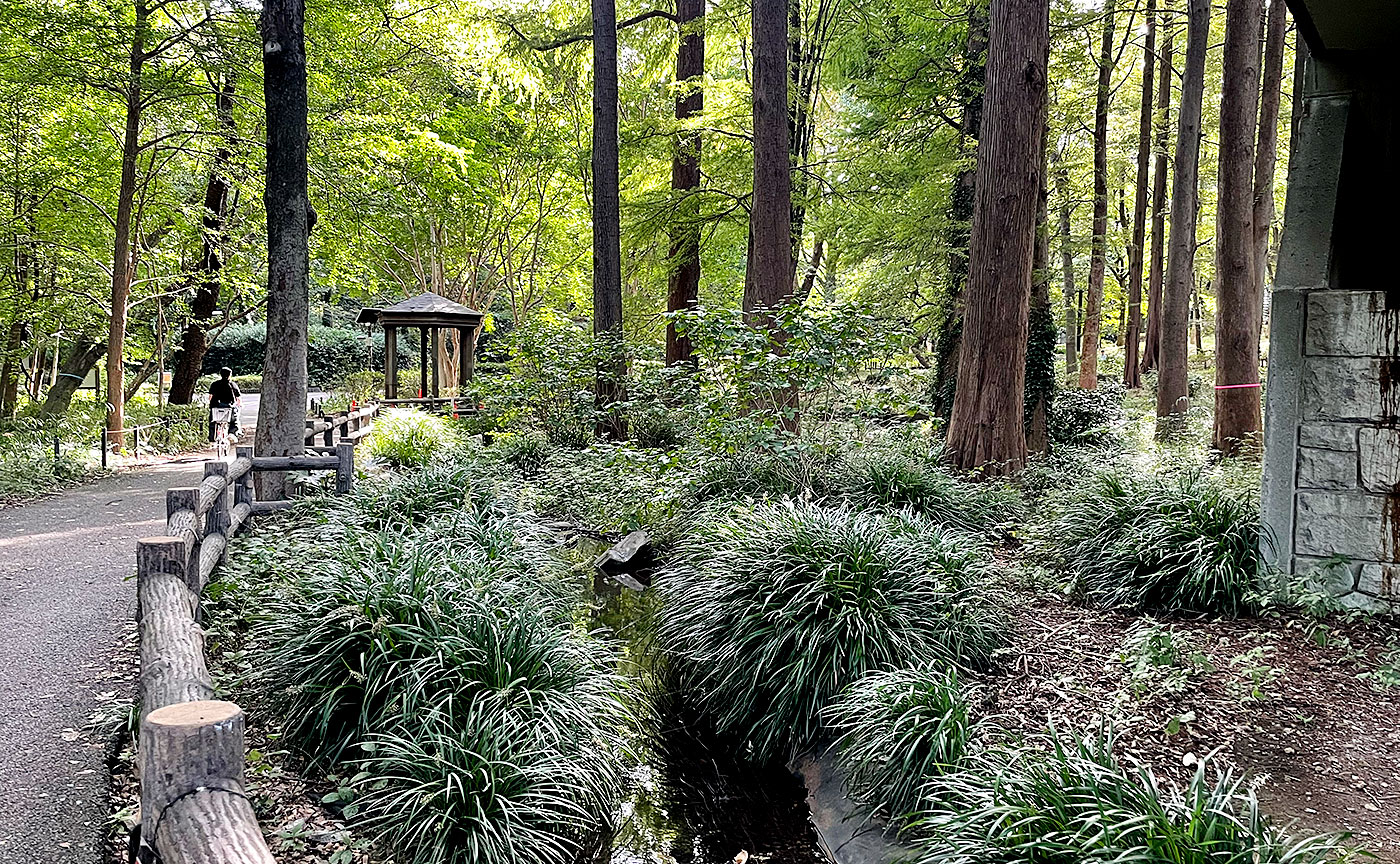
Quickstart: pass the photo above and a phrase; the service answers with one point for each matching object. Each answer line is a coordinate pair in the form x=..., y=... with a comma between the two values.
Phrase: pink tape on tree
x=1237, y=386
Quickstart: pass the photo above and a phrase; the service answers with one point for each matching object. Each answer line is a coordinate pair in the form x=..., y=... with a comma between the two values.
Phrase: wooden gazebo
x=431, y=314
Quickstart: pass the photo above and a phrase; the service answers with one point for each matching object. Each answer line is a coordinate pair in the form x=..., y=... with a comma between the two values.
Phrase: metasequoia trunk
x=1093, y=305
x=684, y=280
x=987, y=430
x=1173, y=397
x=607, y=233
x=73, y=367
x=1159, y=204
x=1040, y=326
x=807, y=44
x=122, y=258
x=962, y=199
x=1239, y=303
x=1067, y=268
x=282, y=414
x=9, y=369
x=1266, y=154
x=1132, y=374
x=195, y=342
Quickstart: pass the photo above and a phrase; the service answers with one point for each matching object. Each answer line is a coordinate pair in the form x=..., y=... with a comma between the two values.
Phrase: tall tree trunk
x=1067, y=268
x=807, y=44
x=1093, y=306
x=684, y=287
x=195, y=342
x=1040, y=338
x=282, y=412
x=122, y=257
x=1132, y=374
x=1238, y=299
x=609, y=387
x=987, y=428
x=1266, y=154
x=9, y=369
x=964, y=194
x=73, y=367
x=1159, y=203
x=1173, y=395
x=769, y=276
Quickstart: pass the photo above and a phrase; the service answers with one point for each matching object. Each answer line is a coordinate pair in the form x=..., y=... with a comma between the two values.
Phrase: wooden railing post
x=187, y=499
x=328, y=437
x=243, y=489
x=218, y=514
x=344, y=467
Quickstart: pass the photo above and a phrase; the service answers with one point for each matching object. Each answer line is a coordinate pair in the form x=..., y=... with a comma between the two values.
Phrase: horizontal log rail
x=194, y=805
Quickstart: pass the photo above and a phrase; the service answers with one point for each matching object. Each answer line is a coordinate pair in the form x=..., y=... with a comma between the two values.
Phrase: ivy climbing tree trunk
x=1159, y=203
x=1173, y=395
x=282, y=413
x=987, y=430
x=964, y=193
x=194, y=344
x=1132, y=373
x=1239, y=301
x=684, y=279
x=1093, y=304
x=607, y=230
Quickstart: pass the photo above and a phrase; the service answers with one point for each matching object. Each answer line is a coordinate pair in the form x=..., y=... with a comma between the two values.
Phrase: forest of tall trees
x=718, y=154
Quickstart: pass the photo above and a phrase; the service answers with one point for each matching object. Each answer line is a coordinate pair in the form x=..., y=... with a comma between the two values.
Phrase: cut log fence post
x=185, y=500
x=218, y=512
x=243, y=488
x=328, y=437
x=344, y=468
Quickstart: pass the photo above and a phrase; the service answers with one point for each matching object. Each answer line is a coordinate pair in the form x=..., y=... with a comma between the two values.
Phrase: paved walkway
x=65, y=596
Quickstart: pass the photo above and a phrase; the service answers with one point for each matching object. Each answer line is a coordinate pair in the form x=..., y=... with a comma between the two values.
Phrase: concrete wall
x=1332, y=439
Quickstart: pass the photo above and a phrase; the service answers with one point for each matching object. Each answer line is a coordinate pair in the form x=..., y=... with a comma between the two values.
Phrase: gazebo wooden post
x=422, y=361
x=391, y=362
x=466, y=357
x=437, y=361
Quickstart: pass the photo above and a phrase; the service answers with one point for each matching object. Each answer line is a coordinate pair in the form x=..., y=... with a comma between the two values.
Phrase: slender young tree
x=282, y=412
x=1266, y=154
x=684, y=279
x=1040, y=326
x=1173, y=397
x=1093, y=305
x=987, y=428
x=1132, y=373
x=1159, y=201
x=1238, y=298
x=768, y=278
x=607, y=229
x=1067, y=262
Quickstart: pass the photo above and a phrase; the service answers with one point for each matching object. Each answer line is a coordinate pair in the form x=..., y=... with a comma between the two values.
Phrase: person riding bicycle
x=224, y=393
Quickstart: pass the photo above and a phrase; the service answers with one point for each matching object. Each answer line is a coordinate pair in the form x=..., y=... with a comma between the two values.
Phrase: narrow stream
x=696, y=801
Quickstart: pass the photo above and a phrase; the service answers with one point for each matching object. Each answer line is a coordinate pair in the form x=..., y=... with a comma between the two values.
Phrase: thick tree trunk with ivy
x=1159, y=205
x=987, y=430
x=964, y=193
x=282, y=414
x=684, y=280
x=1093, y=305
x=122, y=255
x=194, y=344
x=1239, y=301
x=1132, y=373
x=1173, y=395
x=607, y=232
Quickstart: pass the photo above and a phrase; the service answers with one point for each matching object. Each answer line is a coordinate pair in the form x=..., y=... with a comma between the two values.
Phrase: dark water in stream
x=697, y=802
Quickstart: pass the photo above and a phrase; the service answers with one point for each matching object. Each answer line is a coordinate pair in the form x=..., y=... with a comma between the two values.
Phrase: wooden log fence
x=194, y=805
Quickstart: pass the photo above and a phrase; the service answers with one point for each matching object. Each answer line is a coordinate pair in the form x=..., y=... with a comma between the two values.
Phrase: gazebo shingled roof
x=425, y=310
x=430, y=313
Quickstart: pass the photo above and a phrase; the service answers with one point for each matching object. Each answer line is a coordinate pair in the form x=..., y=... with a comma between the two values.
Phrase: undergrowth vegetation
x=772, y=611
x=406, y=438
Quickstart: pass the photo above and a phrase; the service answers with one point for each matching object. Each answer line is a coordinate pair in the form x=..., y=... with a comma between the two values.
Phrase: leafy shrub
x=406, y=437
x=899, y=729
x=525, y=451
x=1086, y=416
x=1184, y=541
x=363, y=386
x=28, y=466
x=773, y=611
x=1071, y=801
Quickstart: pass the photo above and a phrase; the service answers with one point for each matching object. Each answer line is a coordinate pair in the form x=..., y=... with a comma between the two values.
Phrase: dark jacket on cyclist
x=224, y=393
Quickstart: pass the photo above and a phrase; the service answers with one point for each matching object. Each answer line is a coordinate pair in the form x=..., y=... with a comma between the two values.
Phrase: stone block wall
x=1346, y=470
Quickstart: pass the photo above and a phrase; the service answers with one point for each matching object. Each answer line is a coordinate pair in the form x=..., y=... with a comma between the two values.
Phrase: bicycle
x=221, y=417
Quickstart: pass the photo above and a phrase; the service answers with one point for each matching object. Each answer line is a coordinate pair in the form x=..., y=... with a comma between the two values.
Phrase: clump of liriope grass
x=525, y=451
x=408, y=438
x=759, y=472
x=1177, y=541
x=899, y=729
x=1071, y=801
x=896, y=479
x=772, y=611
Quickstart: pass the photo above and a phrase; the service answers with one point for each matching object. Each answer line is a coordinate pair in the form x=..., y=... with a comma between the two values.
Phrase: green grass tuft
x=408, y=438
x=1172, y=542
x=773, y=611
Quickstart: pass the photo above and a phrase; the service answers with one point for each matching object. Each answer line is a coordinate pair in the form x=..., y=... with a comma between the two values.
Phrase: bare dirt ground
x=1279, y=697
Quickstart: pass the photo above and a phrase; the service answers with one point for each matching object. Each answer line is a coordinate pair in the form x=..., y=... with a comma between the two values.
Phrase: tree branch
x=587, y=37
